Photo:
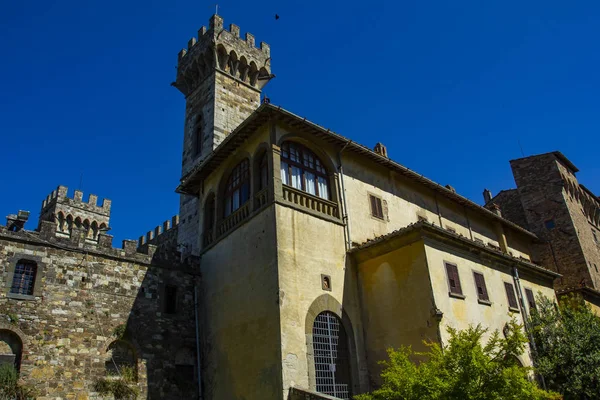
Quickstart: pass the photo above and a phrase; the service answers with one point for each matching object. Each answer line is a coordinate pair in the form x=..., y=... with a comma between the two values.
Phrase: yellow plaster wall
x=306, y=248
x=397, y=303
x=460, y=313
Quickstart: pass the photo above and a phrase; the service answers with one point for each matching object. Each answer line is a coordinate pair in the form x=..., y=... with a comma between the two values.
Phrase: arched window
x=332, y=361
x=94, y=228
x=69, y=223
x=60, y=219
x=24, y=278
x=263, y=170
x=237, y=190
x=209, y=219
x=301, y=169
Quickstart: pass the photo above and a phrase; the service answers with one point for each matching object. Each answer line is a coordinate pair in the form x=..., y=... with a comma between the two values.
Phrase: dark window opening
x=482, y=292
x=185, y=373
x=302, y=170
x=24, y=278
x=549, y=224
x=530, y=299
x=209, y=220
x=510, y=294
x=198, y=136
x=331, y=356
x=264, y=172
x=237, y=190
x=453, y=279
x=170, y=299
x=376, y=207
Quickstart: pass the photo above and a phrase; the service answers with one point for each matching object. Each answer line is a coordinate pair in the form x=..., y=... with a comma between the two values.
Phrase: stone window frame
x=37, y=286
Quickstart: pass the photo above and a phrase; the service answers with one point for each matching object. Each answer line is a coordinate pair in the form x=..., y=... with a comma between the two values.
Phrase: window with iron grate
x=24, y=278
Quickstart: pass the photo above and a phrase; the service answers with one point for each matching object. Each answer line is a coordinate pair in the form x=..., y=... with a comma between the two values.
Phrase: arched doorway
x=11, y=348
x=331, y=356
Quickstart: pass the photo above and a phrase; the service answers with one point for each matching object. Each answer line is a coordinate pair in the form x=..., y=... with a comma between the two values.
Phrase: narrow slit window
x=510, y=295
x=376, y=206
x=482, y=293
x=453, y=279
x=170, y=299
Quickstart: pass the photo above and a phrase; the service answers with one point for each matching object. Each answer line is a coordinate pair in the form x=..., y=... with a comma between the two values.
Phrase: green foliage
x=10, y=389
x=567, y=339
x=119, y=331
x=12, y=318
x=118, y=388
x=463, y=370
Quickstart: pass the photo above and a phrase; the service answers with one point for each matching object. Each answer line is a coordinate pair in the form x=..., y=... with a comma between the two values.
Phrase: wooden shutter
x=376, y=208
x=453, y=279
x=510, y=294
x=530, y=299
x=481, y=288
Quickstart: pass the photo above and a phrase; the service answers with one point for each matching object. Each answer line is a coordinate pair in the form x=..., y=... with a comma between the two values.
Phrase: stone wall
x=86, y=299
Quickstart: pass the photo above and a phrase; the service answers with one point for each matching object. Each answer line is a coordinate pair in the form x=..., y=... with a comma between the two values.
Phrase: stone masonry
x=221, y=76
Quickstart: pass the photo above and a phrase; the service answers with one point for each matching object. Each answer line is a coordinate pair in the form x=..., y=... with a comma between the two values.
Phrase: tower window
x=237, y=190
x=24, y=278
x=301, y=169
x=170, y=299
x=198, y=136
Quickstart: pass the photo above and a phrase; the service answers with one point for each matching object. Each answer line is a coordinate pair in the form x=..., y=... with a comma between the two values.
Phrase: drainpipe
x=526, y=321
x=343, y=194
x=198, y=359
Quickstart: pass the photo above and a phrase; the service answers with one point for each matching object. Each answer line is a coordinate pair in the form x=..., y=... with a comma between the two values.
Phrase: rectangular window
x=453, y=279
x=24, y=278
x=530, y=299
x=482, y=293
x=510, y=295
x=170, y=299
x=376, y=207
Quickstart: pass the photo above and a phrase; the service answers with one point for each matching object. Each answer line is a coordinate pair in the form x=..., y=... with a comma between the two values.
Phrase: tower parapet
x=219, y=49
x=68, y=213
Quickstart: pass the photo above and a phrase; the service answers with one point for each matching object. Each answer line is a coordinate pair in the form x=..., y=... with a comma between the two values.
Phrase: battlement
x=159, y=233
x=163, y=239
x=235, y=56
x=91, y=205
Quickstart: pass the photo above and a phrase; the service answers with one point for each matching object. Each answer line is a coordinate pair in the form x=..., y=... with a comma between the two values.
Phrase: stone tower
x=563, y=213
x=68, y=213
x=221, y=76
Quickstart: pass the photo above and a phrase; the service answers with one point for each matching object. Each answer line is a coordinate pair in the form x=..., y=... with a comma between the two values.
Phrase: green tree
x=463, y=370
x=567, y=339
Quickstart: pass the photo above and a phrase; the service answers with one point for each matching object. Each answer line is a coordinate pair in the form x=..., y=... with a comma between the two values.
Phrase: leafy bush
x=9, y=385
x=118, y=388
x=463, y=370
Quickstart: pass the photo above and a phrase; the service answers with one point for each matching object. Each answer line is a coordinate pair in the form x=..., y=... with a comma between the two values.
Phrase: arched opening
x=121, y=360
x=233, y=63
x=78, y=223
x=243, y=69
x=222, y=57
x=60, y=222
x=87, y=230
x=253, y=73
x=69, y=223
x=94, y=228
x=11, y=349
x=237, y=189
x=303, y=170
x=331, y=356
x=209, y=220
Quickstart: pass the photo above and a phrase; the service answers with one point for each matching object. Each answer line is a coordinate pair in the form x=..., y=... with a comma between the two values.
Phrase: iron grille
x=330, y=347
x=24, y=278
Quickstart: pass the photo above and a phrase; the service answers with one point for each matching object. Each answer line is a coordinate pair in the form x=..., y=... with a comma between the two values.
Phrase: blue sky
x=450, y=87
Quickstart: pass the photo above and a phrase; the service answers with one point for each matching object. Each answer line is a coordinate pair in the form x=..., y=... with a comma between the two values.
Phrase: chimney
x=15, y=223
x=495, y=208
x=487, y=196
x=451, y=188
x=380, y=149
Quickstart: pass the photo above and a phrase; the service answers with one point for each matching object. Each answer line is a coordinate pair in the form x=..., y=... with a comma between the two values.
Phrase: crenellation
x=235, y=30
x=191, y=43
x=78, y=196
x=201, y=32
x=250, y=39
x=93, y=200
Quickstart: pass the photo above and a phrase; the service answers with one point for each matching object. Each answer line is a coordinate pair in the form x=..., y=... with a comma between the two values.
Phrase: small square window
x=549, y=224
x=376, y=206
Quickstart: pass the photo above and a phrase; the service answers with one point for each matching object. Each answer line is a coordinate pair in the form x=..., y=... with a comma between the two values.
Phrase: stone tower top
x=226, y=51
x=68, y=212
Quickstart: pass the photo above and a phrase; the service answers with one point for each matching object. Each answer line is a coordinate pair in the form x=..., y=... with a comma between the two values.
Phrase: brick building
x=564, y=214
